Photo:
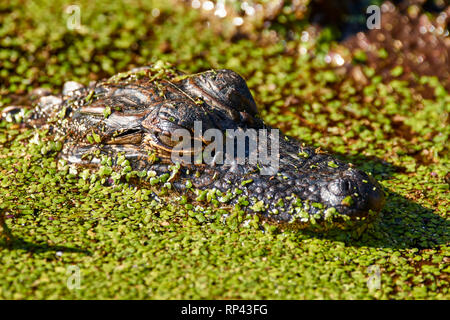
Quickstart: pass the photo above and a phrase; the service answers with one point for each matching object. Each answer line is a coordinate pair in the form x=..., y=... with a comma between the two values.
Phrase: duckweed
x=127, y=243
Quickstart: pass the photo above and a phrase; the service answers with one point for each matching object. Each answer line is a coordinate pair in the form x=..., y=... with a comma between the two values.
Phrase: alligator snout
x=354, y=193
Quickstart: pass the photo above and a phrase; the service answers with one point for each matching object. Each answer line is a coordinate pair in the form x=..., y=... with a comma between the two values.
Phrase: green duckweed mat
x=66, y=235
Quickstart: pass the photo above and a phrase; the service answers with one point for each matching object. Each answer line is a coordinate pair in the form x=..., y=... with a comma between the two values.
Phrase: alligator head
x=137, y=115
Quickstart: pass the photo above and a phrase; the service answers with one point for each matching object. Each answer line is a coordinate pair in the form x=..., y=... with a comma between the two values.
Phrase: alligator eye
x=167, y=140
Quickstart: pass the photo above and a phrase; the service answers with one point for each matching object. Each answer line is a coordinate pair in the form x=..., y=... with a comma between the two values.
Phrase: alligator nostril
x=340, y=186
x=346, y=185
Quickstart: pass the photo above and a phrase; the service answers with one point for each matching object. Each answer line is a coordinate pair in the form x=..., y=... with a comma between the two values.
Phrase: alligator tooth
x=93, y=109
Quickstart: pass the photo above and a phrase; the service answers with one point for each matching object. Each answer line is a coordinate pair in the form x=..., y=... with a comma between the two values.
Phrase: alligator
x=131, y=119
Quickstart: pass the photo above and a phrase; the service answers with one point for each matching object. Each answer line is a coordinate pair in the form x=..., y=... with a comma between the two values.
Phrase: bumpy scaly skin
x=134, y=114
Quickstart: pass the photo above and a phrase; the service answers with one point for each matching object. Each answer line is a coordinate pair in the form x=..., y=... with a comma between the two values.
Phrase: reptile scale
x=131, y=117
